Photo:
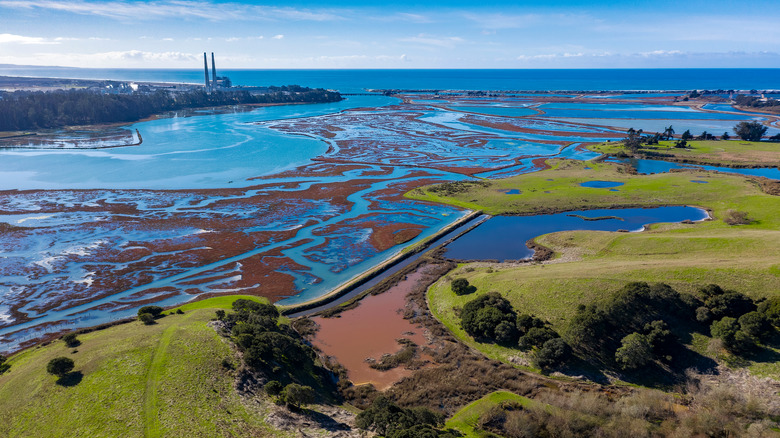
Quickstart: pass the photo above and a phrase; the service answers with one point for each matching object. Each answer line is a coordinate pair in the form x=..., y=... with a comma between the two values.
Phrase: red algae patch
x=370, y=331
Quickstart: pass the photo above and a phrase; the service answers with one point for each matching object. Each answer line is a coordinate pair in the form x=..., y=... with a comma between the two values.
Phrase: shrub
x=660, y=337
x=179, y=312
x=273, y=388
x=526, y=322
x=461, y=286
x=155, y=311
x=703, y=314
x=71, y=340
x=756, y=325
x=553, y=354
x=3, y=366
x=729, y=303
x=480, y=316
x=536, y=337
x=506, y=333
x=771, y=309
x=296, y=395
x=220, y=314
x=635, y=351
x=146, y=318
x=388, y=419
x=734, y=217
x=59, y=366
x=734, y=339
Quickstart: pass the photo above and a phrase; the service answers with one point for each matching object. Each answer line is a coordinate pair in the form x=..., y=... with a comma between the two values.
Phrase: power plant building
x=216, y=82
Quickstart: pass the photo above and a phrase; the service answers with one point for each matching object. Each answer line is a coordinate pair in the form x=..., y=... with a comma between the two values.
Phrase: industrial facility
x=216, y=82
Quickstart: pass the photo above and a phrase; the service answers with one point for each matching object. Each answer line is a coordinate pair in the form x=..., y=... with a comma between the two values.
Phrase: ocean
x=352, y=81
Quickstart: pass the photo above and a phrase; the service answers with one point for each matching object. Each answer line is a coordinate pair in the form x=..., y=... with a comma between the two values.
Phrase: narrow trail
x=151, y=418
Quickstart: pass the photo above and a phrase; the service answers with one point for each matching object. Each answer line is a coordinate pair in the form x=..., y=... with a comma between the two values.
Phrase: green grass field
x=716, y=152
x=466, y=418
x=594, y=264
x=165, y=379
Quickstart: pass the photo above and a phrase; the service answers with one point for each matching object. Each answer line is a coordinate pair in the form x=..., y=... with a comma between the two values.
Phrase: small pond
x=491, y=240
x=601, y=184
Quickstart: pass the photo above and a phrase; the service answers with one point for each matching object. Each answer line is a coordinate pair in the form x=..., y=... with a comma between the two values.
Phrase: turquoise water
x=213, y=151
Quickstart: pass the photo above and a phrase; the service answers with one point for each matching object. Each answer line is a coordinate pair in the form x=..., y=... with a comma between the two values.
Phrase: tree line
x=22, y=110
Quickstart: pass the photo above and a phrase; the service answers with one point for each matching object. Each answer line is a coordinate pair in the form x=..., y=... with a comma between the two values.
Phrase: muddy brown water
x=369, y=331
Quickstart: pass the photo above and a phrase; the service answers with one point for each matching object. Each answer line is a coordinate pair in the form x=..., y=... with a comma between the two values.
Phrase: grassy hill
x=591, y=265
x=166, y=379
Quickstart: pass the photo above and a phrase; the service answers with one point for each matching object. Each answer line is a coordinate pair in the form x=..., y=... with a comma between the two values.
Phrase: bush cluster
x=491, y=318
x=632, y=328
x=277, y=351
x=392, y=421
x=736, y=319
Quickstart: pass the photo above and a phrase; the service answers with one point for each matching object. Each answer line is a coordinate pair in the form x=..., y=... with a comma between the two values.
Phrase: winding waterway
x=287, y=202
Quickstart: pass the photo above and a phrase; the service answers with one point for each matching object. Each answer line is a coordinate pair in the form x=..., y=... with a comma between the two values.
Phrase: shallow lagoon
x=504, y=237
x=209, y=151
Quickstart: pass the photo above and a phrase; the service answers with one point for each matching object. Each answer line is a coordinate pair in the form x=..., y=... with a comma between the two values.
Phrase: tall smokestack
x=206, y=68
x=213, y=69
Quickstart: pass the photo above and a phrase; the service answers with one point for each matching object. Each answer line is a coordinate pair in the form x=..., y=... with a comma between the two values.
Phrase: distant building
x=216, y=82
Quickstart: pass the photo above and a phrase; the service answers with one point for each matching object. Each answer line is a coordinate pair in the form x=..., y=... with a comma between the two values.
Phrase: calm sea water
x=359, y=80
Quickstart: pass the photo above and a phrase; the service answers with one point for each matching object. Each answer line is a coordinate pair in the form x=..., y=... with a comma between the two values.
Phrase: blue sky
x=391, y=34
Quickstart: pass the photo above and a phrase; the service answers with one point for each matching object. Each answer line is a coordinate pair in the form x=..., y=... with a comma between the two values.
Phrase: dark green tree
x=155, y=311
x=553, y=354
x=536, y=337
x=146, y=318
x=734, y=339
x=750, y=131
x=71, y=340
x=60, y=366
x=273, y=388
x=481, y=316
x=771, y=309
x=461, y=286
x=635, y=351
x=668, y=133
x=296, y=395
x=755, y=325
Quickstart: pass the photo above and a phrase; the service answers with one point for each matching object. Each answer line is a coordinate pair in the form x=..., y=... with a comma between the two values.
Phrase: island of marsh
x=727, y=153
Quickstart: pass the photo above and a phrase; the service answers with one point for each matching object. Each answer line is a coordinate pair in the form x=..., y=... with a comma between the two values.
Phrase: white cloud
x=129, y=10
x=277, y=37
x=428, y=40
x=6, y=38
x=412, y=18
